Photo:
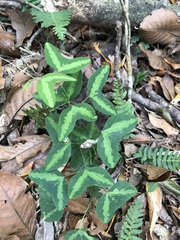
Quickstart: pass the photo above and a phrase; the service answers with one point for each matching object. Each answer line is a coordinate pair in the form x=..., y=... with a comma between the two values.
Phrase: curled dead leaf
x=18, y=209
x=7, y=46
x=154, y=205
x=162, y=124
x=23, y=23
x=162, y=27
x=156, y=59
x=20, y=100
x=24, y=148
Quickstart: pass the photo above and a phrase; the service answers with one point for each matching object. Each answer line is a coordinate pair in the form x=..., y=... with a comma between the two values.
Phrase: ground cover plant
x=90, y=130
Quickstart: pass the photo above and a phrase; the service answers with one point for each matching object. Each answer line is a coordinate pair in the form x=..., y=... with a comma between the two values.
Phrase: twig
x=173, y=111
x=156, y=107
x=117, y=57
x=125, y=7
x=33, y=37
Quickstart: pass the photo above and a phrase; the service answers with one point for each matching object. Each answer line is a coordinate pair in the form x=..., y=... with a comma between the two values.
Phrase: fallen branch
x=158, y=108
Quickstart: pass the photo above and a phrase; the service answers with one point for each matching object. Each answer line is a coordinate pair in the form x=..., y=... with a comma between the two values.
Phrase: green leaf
x=171, y=186
x=57, y=19
x=78, y=235
x=152, y=186
x=52, y=125
x=114, y=130
x=45, y=86
x=58, y=155
x=91, y=176
x=49, y=212
x=113, y=199
x=69, y=90
x=61, y=64
x=70, y=115
x=94, y=86
x=132, y=221
x=54, y=183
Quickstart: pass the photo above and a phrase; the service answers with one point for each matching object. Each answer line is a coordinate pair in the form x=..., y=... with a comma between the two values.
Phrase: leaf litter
x=29, y=151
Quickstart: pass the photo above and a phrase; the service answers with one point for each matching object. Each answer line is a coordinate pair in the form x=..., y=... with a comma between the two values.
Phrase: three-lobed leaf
x=69, y=90
x=61, y=64
x=49, y=212
x=113, y=199
x=58, y=155
x=90, y=176
x=94, y=87
x=54, y=183
x=70, y=115
x=45, y=86
x=116, y=127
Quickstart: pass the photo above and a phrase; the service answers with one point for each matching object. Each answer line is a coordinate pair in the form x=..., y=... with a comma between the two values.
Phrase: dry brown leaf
x=78, y=205
x=82, y=223
x=167, y=85
x=140, y=139
x=174, y=65
x=14, y=167
x=7, y=44
x=157, y=174
x=177, y=88
x=154, y=205
x=21, y=100
x=19, y=80
x=18, y=209
x=161, y=27
x=152, y=173
x=162, y=124
x=24, y=148
x=156, y=59
x=23, y=23
x=96, y=225
x=26, y=170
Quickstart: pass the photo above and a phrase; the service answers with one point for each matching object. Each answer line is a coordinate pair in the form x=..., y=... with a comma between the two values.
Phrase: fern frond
x=133, y=221
x=38, y=114
x=160, y=157
x=57, y=20
x=119, y=93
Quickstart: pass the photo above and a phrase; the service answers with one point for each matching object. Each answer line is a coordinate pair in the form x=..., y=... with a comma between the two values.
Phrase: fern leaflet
x=160, y=157
x=119, y=94
x=58, y=20
x=133, y=221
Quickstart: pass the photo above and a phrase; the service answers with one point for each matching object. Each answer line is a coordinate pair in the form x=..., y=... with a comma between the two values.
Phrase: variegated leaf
x=113, y=199
x=45, y=87
x=49, y=212
x=114, y=130
x=54, y=183
x=61, y=64
x=95, y=85
x=69, y=90
x=78, y=235
x=70, y=115
x=58, y=155
x=91, y=176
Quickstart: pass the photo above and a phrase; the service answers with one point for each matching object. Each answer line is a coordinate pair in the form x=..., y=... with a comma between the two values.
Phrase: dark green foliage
x=38, y=114
x=139, y=77
x=132, y=223
x=160, y=157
